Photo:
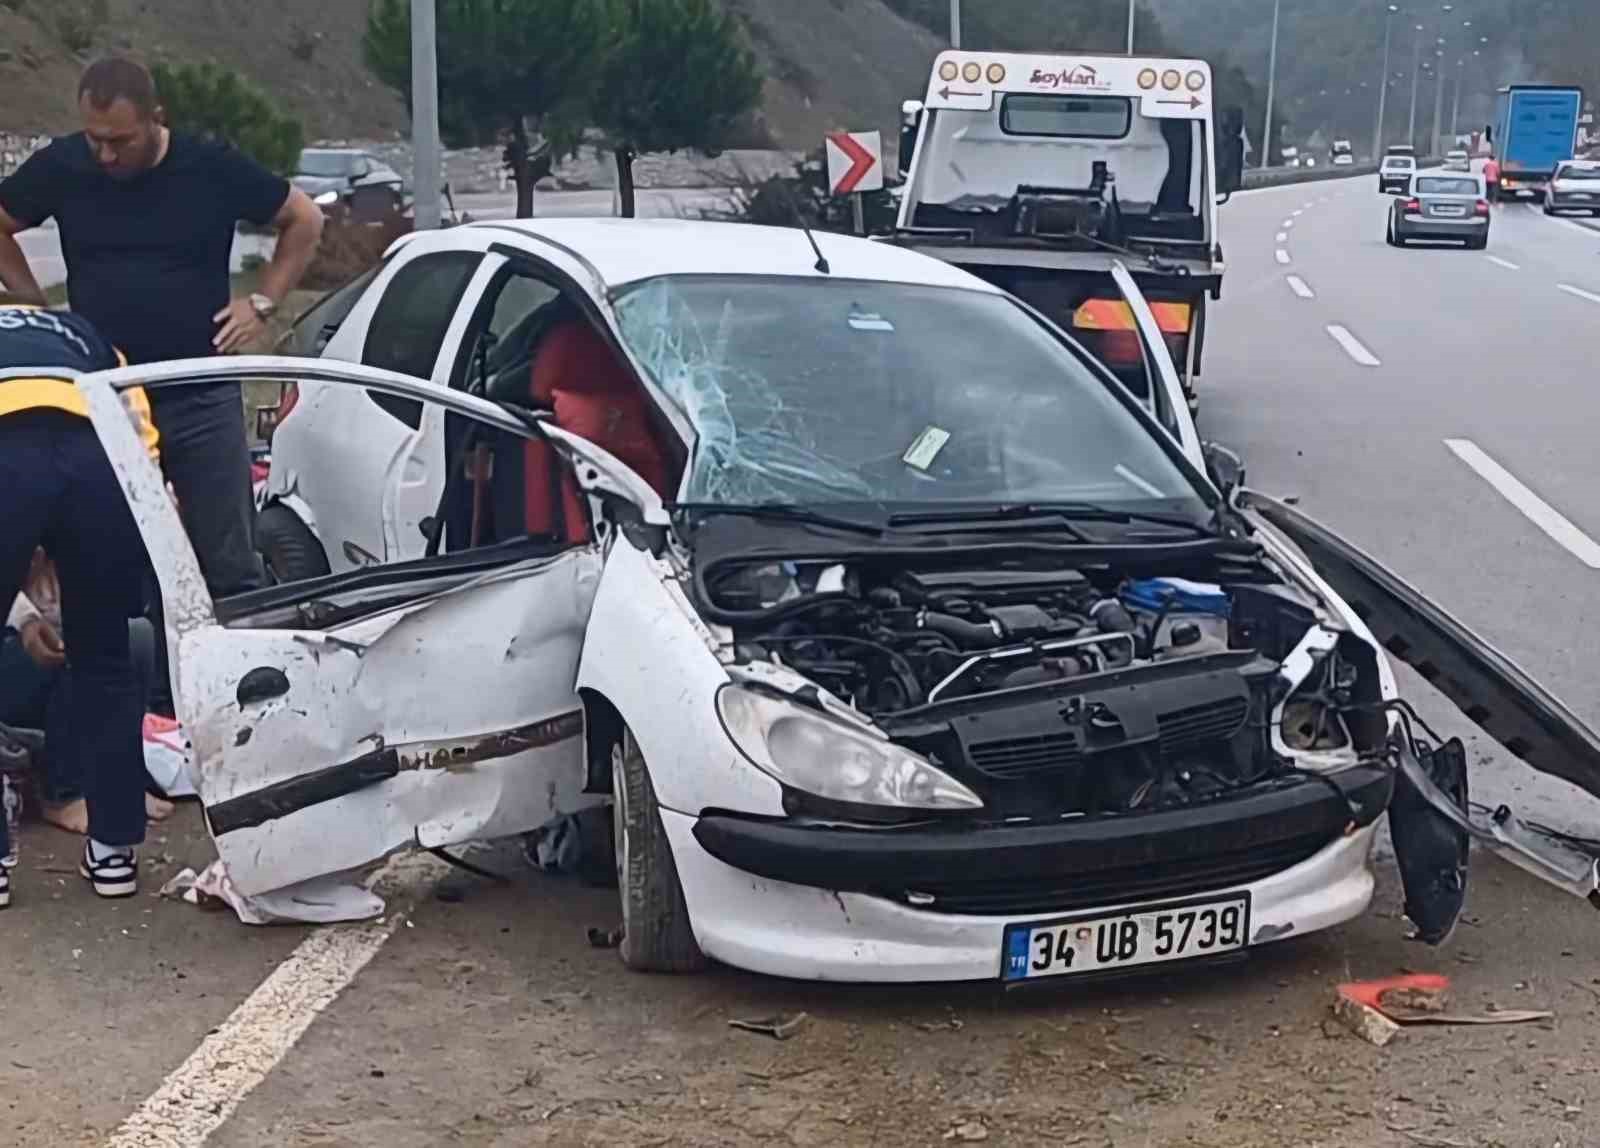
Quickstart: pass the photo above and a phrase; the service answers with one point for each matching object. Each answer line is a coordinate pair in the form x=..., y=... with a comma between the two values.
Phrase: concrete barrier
x=1283, y=176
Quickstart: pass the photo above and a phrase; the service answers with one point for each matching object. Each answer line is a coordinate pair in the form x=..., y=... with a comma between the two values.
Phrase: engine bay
x=1053, y=689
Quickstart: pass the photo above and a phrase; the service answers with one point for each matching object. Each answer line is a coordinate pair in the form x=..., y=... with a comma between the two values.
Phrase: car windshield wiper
x=1068, y=511
x=778, y=510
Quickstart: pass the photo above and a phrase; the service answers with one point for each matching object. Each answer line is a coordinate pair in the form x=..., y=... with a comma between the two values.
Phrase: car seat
x=577, y=375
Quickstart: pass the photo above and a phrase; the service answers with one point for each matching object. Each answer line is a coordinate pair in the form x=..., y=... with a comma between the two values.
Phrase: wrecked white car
x=905, y=643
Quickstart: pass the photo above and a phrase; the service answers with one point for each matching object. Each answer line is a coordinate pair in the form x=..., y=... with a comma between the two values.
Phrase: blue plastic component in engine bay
x=1178, y=595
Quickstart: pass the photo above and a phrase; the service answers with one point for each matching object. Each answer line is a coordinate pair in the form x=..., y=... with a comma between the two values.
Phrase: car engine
x=1055, y=689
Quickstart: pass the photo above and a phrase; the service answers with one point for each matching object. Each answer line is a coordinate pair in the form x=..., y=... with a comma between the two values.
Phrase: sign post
x=855, y=166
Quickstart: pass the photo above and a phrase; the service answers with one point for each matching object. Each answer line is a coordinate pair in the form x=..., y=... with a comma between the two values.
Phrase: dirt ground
x=490, y=1020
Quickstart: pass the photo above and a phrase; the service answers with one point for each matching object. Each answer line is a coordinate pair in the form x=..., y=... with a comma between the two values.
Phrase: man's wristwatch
x=263, y=306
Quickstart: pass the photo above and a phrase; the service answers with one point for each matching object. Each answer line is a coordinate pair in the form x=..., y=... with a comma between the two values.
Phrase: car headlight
x=825, y=758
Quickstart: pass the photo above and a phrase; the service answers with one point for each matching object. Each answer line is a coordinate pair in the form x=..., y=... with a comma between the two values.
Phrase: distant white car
x=904, y=641
x=1457, y=160
x=1395, y=173
x=1576, y=187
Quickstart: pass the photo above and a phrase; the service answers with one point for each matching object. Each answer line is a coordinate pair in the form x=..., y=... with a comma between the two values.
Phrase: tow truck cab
x=1037, y=173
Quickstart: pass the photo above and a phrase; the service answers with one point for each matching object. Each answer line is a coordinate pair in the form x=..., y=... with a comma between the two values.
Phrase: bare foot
x=73, y=816
x=157, y=808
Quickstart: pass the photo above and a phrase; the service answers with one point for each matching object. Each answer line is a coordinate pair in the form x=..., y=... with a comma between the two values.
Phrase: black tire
x=1478, y=244
x=656, y=934
x=1548, y=210
x=1393, y=236
x=291, y=552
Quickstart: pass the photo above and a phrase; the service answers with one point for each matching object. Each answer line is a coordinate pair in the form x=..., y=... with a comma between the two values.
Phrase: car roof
x=1582, y=164
x=623, y=251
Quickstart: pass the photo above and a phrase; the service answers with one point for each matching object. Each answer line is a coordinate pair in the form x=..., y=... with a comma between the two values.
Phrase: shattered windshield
x=808, y=392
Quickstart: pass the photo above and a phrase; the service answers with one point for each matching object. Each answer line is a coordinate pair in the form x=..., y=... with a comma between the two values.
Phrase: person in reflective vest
x=62, y=494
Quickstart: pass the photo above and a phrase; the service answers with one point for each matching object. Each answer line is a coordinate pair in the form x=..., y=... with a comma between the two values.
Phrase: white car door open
x=427, y=702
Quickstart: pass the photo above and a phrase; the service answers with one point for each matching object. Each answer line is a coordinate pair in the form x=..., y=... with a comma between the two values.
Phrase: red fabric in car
x=578, y=376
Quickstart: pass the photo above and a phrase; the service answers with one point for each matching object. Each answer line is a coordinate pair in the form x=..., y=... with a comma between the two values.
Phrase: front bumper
x=829, y=903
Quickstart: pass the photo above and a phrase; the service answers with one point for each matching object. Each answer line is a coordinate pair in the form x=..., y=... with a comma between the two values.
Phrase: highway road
x=1436, y=406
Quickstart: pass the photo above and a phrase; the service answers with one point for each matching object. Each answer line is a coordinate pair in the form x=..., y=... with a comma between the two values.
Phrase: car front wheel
x=291, y=552
x=656, y=935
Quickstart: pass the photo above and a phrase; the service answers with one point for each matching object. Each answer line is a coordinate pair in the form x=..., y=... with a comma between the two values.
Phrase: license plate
x=1150, y=936
x=1449, y=211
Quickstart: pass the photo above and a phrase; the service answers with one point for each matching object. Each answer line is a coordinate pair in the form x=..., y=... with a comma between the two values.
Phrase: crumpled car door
x=1489, y=688
x=333, y=721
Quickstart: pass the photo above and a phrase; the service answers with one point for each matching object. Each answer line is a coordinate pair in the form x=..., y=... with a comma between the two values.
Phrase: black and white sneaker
x=114, y=875
x=5, y=887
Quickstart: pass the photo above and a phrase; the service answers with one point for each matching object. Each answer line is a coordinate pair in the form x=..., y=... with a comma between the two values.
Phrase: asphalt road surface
x=479, y=1014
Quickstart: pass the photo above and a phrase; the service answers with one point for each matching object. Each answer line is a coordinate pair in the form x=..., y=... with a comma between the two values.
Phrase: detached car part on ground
x=934, y=669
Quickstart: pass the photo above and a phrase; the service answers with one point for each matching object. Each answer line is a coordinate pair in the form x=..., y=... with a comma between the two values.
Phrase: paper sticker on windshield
x=926, y=448
x=869, y=321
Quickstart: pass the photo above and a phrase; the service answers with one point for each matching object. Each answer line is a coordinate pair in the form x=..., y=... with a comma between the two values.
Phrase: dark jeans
x=32, y=697
x=60, y=491
x=206, y=457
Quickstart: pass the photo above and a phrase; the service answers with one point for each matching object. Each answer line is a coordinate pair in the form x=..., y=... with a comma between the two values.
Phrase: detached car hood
x=1488, y=687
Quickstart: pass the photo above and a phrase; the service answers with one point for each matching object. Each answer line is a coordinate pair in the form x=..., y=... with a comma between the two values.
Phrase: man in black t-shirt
x=147, y=220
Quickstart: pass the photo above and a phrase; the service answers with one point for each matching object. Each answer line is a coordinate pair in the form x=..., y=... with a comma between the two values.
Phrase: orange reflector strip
x=1115, y=315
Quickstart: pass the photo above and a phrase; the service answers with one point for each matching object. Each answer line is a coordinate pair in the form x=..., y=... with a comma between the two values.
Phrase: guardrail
x=1283, y=176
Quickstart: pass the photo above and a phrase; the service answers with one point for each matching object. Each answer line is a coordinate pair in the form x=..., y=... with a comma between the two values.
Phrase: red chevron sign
x=854, y=162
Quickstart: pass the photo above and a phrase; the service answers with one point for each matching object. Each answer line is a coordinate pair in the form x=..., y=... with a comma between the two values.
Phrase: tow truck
x=1042, y=174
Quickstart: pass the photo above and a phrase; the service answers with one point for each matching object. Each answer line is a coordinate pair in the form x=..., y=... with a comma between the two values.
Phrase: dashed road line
x=1282, y=257
x=1288, y=225
x=1297, y=214
x=1506, y=263
x=1353, y=346
x=1579, y=292
x=1300, y=287
x=1282, y=237
x=1546, y=517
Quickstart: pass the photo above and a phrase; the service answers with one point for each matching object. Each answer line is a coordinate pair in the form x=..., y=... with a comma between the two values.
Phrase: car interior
x=534, y=348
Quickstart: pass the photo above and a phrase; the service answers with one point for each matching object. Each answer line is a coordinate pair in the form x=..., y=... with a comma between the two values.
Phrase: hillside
x=1330, y=54
x=829, y=63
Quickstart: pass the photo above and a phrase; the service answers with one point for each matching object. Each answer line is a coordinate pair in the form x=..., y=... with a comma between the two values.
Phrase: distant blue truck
x=1535, y=129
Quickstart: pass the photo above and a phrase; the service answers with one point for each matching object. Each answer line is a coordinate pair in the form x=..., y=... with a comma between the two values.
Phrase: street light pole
x=1383, y=80
x=1438, y=99
x=1455, y=108
x=425, y=116
x=1272, y=89
x=1416, y=71
x=955, y=23
x=1133, y=12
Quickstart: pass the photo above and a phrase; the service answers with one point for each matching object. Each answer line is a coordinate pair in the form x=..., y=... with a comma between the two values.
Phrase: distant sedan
x=1576, y=187
x=1442, y=207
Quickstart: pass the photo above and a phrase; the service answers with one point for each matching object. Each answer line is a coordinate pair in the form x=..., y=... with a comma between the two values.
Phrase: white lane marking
x=1282, y=237
x=1300, y=287
x=1297, y=214
x=1546, y=517
x=1569, y=224
x=1288, y=224
x=1506, y=263
x=1282, y=256
x=1579, y=292
x=1352, y=346
x=202, y=1093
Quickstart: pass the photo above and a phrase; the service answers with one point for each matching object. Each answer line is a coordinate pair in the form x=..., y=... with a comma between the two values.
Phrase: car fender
x=648, y=654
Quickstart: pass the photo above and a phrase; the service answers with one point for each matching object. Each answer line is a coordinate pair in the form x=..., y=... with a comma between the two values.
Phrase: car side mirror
x=1225, y=468
x=911, y=112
